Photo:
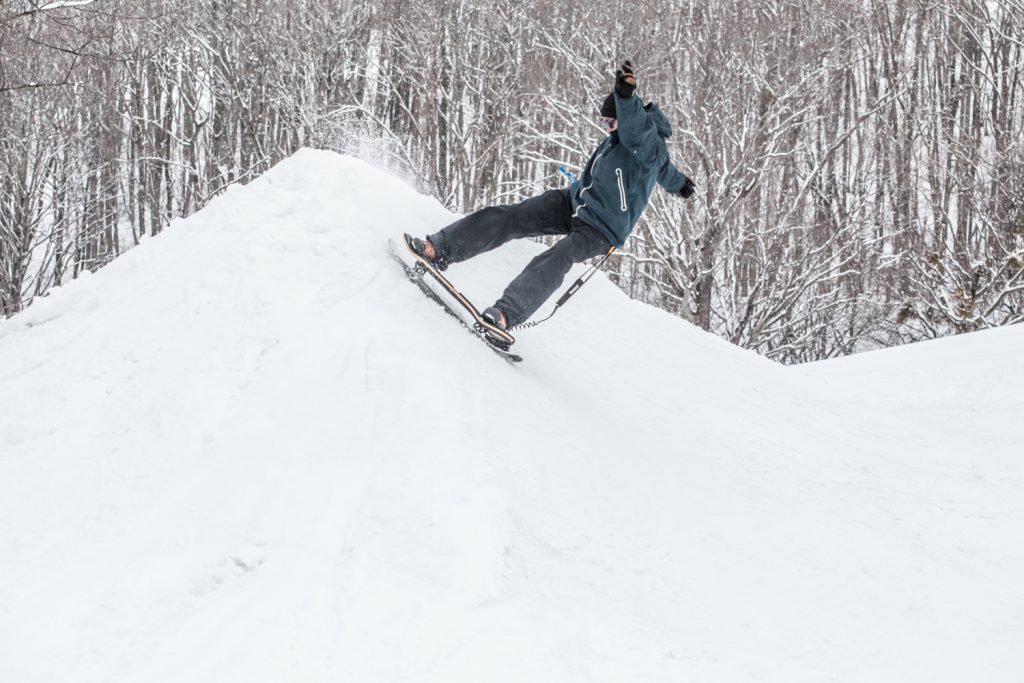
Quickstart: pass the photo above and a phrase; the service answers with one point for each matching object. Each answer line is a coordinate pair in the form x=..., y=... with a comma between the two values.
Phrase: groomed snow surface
x=251, y=450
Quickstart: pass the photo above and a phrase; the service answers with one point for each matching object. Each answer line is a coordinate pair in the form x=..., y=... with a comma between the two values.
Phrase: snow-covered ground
x=251, y=450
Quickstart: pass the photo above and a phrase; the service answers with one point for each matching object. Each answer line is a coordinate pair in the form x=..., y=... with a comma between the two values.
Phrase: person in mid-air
x=596, y=212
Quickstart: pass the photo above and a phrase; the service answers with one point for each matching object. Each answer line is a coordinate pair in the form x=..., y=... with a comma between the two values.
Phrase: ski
x=437, y=287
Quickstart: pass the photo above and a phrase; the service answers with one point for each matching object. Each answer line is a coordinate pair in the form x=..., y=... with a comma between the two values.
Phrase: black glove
x=625, y=81
x=688, y=188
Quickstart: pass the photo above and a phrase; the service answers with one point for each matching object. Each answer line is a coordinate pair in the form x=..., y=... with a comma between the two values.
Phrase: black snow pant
x=547, y=214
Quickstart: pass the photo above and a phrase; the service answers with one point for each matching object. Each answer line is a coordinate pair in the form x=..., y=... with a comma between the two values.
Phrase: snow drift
x=250, y=449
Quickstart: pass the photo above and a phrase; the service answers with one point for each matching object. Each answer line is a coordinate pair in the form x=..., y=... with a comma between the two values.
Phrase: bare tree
x=858, y=163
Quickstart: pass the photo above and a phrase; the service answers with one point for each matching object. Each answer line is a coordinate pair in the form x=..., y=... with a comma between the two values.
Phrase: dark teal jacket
x=618, y=179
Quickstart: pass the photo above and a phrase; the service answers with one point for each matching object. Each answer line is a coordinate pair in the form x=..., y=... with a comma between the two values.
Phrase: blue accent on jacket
x=618, y=179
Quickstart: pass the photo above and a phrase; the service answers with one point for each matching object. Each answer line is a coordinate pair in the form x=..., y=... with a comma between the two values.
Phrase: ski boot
x=426, y=251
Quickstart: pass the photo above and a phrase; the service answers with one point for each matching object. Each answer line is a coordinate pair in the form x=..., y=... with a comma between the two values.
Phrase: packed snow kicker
x=249, y=450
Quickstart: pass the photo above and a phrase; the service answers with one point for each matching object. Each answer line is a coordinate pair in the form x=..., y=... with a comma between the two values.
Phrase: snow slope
x=250, y=449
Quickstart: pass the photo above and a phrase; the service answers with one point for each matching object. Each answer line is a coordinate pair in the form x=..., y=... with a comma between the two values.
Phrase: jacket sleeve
x=671, y=178
x=635, y=130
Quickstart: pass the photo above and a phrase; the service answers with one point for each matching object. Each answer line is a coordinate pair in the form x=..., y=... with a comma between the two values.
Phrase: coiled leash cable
x=582, y=280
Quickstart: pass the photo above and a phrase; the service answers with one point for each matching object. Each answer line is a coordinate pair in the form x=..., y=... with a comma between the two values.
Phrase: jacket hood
x=658, y=118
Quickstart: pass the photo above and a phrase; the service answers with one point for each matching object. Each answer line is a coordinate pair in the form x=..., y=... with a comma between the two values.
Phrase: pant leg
x=546, y=214
x=545, y=273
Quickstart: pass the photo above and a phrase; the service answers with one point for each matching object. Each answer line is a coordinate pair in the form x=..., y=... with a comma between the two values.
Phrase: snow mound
x=250, y=449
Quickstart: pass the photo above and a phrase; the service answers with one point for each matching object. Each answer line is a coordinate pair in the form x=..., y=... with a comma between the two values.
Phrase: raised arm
x=634, y=128
x=633, y=124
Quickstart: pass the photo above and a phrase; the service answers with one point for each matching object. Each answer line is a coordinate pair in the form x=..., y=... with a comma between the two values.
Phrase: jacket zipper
x=593, y=171
x=622, y=189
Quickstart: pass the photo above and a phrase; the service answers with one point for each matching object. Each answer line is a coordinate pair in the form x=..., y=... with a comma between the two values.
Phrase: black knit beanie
x=608, y=106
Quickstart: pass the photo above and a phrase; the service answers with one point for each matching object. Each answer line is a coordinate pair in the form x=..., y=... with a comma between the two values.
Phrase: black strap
x=582, y=280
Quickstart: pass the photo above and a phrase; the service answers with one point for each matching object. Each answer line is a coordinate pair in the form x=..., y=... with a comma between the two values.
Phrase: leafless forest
x=860, y=164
